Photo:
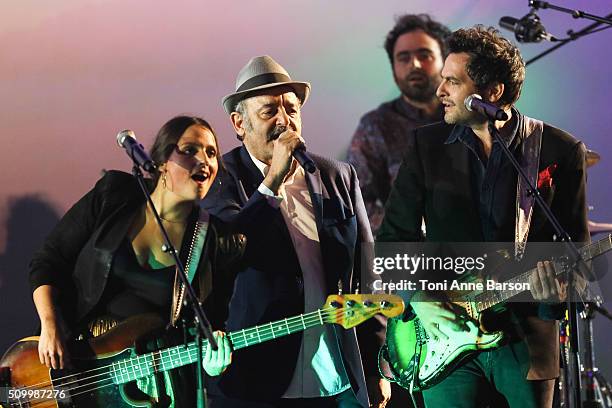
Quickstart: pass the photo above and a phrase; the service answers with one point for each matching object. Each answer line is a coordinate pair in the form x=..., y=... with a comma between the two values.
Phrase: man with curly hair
x=416, y=49
x=457, y=177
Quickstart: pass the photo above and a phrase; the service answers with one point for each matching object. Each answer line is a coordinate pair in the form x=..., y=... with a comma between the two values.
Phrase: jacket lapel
x=315, y=188
x=248, y=175
x=328, y=212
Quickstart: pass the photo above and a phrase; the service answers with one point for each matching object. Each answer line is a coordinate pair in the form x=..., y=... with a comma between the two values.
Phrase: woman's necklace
x=173, y=221
x=165, y=219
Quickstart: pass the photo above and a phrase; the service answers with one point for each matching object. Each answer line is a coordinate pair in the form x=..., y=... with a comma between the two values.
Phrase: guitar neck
x=269, y=331
x=141, y=366
x=491, y=298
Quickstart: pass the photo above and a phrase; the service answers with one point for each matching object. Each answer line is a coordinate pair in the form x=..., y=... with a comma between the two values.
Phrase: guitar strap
x=196, y=248
x=530, y=162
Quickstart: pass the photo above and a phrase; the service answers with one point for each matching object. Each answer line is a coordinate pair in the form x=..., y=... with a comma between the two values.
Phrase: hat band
x=263, y=79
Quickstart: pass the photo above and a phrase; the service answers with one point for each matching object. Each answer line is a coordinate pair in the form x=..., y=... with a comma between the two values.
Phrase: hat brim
x=302, y=90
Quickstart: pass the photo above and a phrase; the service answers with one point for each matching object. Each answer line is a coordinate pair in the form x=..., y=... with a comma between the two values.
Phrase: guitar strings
x=266, y=331
x=328, y=313
x=262, y=330
x=485, y=301
x=181, y=346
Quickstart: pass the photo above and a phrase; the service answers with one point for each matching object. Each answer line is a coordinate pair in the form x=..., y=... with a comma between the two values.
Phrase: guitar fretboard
x=491, y=298
x=142, y=366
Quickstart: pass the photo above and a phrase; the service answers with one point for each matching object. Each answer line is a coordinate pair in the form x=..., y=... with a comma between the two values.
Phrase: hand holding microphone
x=282, y=157
x=288, y=145
x=299, y=152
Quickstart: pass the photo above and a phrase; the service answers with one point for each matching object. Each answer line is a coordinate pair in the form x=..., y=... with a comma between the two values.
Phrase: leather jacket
x=77, y=255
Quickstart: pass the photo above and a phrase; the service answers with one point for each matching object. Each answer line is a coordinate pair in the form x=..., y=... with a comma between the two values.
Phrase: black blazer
x=270, y=286
x=434, y=182
x=77, y=255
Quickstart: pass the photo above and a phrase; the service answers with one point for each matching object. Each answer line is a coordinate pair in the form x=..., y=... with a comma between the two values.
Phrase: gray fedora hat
x=261, y=73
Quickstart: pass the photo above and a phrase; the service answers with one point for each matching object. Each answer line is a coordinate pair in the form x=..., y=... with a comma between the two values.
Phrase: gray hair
x=241, y=108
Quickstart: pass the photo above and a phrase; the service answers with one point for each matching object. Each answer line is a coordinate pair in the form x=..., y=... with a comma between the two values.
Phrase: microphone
x=298, y=154
x=475, y=103
x=127, y=139
x=304, y=159
x=528, y=29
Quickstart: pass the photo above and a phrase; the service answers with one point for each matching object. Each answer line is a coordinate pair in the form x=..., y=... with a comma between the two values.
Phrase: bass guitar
x=105, y=368
x=411, y=352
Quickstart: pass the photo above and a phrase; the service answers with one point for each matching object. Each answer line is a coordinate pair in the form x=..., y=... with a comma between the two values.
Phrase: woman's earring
x=163, y=179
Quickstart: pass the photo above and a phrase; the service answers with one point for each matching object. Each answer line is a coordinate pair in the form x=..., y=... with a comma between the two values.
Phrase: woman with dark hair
x=105, y=263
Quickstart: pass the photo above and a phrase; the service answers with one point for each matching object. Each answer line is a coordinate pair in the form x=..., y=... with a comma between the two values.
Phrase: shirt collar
x=461, y=132
x=258, y=163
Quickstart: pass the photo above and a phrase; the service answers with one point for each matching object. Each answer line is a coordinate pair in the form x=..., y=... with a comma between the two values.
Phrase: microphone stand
x=594, y=380
x=200, y=320
x=573, y=36
x=575, y=13
x=575, y=259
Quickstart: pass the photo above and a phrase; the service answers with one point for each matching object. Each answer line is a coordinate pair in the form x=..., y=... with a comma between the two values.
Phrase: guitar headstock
x=351, y=310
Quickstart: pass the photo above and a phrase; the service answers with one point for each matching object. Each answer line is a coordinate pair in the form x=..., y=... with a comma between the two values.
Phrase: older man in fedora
x=304, y=232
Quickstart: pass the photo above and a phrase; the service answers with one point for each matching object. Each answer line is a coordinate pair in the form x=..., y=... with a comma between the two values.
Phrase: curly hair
x=492, y=59
x=411, y=22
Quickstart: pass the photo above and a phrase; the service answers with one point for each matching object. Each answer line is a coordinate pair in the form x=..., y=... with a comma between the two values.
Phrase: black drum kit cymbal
x=592, y=158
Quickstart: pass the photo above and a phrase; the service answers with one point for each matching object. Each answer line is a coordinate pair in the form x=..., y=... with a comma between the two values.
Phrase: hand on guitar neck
x=439, y=318
x=216, y=362
x=544, y=285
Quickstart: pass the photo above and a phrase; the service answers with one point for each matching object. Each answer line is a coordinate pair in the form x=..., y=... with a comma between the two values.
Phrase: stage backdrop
x=75, y=72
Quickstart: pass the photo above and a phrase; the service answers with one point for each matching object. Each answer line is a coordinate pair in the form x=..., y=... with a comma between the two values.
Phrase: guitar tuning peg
x=339, y=286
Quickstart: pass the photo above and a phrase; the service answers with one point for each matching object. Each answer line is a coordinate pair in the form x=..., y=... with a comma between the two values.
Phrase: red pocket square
x=545, y=176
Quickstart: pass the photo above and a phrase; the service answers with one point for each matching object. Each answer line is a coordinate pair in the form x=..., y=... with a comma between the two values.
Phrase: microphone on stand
x=127, y=139
x=528, y=29
x=474, y=103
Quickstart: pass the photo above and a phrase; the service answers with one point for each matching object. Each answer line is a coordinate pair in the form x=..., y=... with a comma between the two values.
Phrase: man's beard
x=276, y=132
x=424, y=91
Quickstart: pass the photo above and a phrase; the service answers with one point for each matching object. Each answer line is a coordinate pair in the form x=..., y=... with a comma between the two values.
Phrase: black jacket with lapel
x=270, y=287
